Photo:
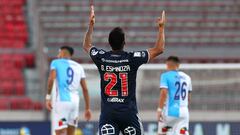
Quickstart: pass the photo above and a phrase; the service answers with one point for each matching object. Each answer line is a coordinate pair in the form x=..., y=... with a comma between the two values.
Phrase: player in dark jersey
x=118, y=71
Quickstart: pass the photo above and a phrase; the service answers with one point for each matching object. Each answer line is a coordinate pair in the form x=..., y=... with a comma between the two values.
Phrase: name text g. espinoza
x=115, y=69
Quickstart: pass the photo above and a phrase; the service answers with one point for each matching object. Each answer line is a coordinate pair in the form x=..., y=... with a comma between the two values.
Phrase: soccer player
x=69, y=75
x=118, y=72
x=175, y=88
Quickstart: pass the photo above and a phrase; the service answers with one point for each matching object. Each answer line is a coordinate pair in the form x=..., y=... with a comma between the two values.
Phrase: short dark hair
x=174, y=59
x=116, y=38
x=69, y=49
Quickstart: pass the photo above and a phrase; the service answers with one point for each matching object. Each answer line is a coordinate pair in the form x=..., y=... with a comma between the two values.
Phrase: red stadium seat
x=18, y=60
x=17, y=75
x=19, y=44
x=11, y=74
x=8, y=65
x=7, y=88
x=29, y=60
x=14, y=36
x=24, y=103
x=4, y=104
x=37, y=106
x=14, y=32
x=19, y=88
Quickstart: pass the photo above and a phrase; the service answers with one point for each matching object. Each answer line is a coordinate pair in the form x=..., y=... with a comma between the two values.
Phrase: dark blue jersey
x=118, y=71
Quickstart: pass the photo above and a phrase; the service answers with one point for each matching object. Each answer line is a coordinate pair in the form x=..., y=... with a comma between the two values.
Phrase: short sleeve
x=83, y=75
x=53, y=65
x=140, y=57
x=96, y=54
x=190, y=85
x=163, y=81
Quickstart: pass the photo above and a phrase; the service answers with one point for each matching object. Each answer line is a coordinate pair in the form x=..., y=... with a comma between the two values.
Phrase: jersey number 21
x=113, y=81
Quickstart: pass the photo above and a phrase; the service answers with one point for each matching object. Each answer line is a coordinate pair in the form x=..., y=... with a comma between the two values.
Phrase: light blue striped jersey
x=178, y=85
x=69, y=74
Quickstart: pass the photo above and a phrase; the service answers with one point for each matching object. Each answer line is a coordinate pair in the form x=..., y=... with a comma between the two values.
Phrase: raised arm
x=87, y=44
x=160, y=43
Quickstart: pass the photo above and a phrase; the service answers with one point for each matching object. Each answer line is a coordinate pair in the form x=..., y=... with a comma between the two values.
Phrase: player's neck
x=117, y=50
x=172, y=69
x=66, y=57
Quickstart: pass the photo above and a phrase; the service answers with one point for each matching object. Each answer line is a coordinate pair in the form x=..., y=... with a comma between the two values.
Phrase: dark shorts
x=126, y=123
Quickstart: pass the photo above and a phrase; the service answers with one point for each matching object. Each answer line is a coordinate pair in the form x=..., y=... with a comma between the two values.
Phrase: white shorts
x=65, y=114
x=174, y=126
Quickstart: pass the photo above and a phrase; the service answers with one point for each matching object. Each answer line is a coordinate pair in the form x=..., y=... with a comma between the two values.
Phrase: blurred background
x=205, y=34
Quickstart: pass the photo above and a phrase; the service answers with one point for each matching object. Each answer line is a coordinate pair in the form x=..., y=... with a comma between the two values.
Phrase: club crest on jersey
x=94, y=52
x=166, y=129
x=183, y=131
x=62, y=122
x=137, y=54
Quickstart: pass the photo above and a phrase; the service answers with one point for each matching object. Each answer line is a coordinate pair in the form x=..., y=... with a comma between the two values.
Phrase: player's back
x=68, y=76
x=178, y=84
x=118, y=72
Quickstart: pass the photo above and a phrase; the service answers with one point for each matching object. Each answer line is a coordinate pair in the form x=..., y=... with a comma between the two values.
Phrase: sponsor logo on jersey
x=114, y=61
x=115, y=100
x=94, y=52
x=137, y=54
x=114, y=55
x=101, y=52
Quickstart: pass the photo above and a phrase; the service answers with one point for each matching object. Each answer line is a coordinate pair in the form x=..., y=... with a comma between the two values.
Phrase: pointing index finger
x=92, y=8
x=163, y=14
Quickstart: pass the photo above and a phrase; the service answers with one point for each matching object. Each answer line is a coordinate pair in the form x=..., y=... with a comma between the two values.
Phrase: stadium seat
x=17, y=75
x=4, y=104
x=19, y=88
x=37, y=106
x=196, y=25
x=18, y=60
x=29, y=60
x=13, y=38
x=23, y=103
x=7, y=88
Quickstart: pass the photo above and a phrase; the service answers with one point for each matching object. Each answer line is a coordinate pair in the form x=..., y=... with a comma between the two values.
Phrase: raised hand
x=162, y=20
x=92, y=16
x=160, y=42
